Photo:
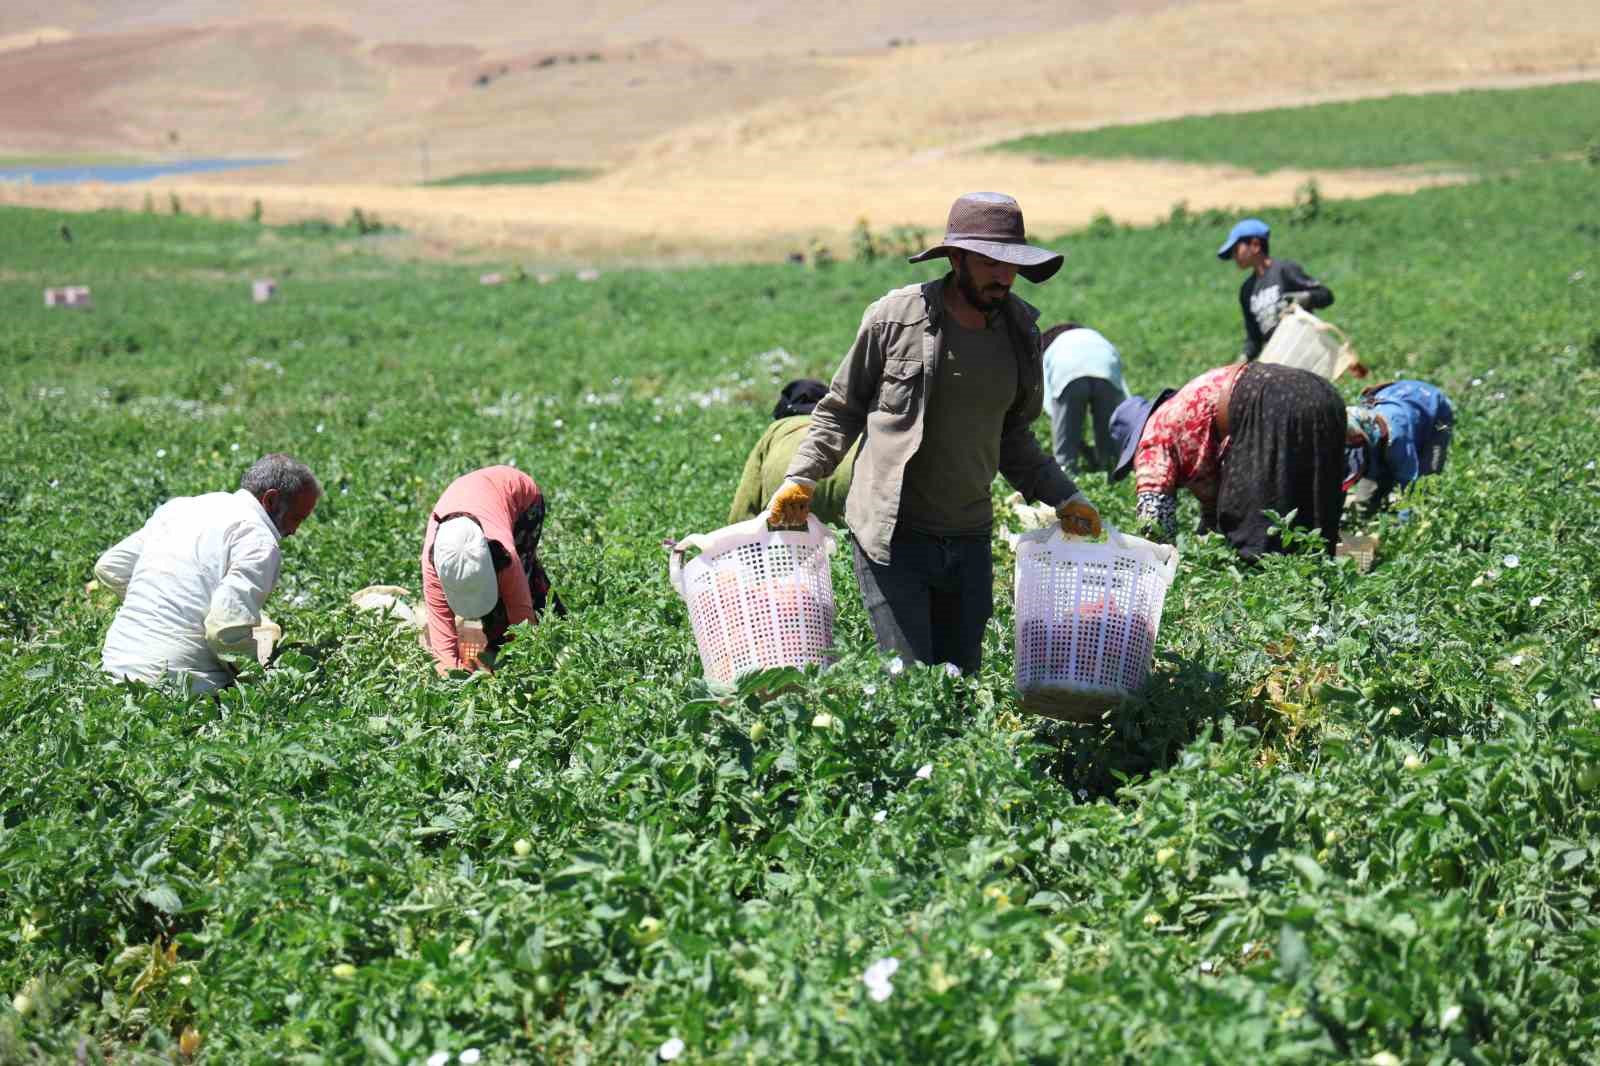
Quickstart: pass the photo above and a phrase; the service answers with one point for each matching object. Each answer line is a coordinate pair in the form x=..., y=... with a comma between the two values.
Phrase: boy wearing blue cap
x=1272, y=286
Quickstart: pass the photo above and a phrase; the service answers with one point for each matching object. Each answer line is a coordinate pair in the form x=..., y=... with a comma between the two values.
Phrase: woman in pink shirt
x=480, y=560
x=1245, y=439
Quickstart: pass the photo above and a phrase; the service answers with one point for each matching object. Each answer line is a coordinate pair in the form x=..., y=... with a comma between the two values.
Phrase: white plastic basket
x=757, y=597
x=1305, y=341
x=1087, y=614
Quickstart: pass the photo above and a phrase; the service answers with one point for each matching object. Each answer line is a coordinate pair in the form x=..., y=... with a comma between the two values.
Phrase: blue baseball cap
x=1242, y=230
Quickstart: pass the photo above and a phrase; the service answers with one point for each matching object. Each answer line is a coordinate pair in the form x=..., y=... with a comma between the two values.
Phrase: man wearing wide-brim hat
x=942, y=385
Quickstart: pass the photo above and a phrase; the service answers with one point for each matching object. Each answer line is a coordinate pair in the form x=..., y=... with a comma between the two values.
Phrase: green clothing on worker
x=769, y=460
x=947, y=482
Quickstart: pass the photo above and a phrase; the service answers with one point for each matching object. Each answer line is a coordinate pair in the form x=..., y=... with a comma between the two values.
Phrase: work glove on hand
x=791, y=504
x=1078, y=516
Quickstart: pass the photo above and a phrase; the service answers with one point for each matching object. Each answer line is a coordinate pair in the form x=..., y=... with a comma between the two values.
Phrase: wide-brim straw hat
x=990, y=223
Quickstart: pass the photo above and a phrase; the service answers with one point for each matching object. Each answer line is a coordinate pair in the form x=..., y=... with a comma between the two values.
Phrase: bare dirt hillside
x=750, y=125
x=725, y=27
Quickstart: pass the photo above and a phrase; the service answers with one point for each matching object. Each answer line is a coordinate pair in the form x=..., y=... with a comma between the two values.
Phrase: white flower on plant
x=559, y=423
x=1449, y=1017
x=55, y=482
x=877, y=978
x=1207, y=966
x=1535, y=601
x=716, y=438
x=319, y=427
x=1516, y=660
x=670, y=1049
x=1384, y=1058
x=925, y=771
x=438, y=1058
x=515, y=764
x=869, y=690
x=1476, y=382
x=469, y=1056
x=952, y=670
x=1511, y=562
x=880, y=816
x=824, y=720
x=897, y=666
x=234, y=446
x=161, y=453
x=1589, y=465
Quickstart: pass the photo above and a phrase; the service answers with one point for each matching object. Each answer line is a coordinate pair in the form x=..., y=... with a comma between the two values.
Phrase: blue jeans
x=931, y=602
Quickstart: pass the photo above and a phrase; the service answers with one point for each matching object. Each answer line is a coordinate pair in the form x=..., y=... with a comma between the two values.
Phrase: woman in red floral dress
x=1245, y=439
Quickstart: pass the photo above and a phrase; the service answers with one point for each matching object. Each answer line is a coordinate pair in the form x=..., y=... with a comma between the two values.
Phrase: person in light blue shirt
x=1399, y=432
x=1082, y=375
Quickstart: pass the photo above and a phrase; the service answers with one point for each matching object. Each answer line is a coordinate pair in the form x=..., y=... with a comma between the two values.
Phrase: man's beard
x=984, y=301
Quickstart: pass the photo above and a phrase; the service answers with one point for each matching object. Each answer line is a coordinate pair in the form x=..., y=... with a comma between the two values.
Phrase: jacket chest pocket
x=897, y=389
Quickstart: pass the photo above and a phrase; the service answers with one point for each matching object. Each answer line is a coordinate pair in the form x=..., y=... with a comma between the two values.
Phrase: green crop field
x=528, y=176
x=1473, y=130
x=1351, y=818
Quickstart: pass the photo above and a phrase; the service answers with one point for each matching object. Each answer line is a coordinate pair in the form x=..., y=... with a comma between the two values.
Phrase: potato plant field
x=1352, y=817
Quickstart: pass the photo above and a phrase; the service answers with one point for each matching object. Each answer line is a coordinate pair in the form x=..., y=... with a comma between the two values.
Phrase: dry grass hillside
x=716, y=126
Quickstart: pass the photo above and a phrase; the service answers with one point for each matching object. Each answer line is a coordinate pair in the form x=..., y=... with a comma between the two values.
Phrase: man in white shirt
x=193, y=580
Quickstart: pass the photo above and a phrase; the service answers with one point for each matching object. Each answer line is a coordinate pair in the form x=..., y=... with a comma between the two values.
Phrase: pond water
x=122, y=173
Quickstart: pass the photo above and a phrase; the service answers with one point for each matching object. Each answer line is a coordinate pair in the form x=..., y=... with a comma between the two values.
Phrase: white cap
x=461, y=559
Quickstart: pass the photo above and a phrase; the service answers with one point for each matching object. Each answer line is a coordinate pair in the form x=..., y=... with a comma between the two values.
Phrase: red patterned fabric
x=1180, y=447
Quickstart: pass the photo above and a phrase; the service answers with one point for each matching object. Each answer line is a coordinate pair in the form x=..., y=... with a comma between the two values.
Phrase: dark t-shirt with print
x=1259, y=298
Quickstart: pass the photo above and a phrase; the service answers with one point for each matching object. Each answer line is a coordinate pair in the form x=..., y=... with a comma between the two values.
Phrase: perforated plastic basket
x=1087, y=614
x=757, y=597
x=1305, y=341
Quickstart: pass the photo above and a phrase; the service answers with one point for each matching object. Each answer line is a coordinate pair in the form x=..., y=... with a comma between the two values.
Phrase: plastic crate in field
x=1305, y=341
x=1087, y=615
x=757, y=597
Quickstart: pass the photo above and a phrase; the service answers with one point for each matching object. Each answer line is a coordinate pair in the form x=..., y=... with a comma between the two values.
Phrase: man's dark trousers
x=930, y=604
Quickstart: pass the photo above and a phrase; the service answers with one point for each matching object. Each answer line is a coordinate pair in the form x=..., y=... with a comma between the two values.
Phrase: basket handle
x=1165, y=555
x=1347, y=358
x=815, y=532
x=675, y=559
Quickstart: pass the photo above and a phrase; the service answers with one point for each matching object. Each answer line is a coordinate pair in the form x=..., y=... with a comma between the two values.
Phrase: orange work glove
x=791, y=504
x=1078, y=515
